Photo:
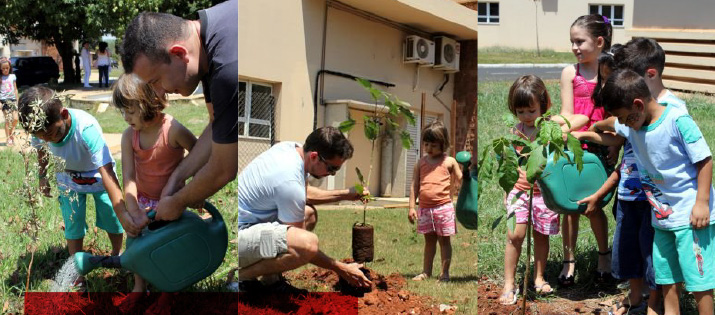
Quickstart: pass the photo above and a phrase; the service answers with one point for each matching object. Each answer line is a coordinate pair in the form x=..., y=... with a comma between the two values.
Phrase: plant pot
x=363, y=246
x=346, y=288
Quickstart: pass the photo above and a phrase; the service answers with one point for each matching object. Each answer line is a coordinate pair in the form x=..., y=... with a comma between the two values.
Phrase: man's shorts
x=440, y=220
x=74, y=206
x=543, y=219
x=685, y=255
x=261, y=241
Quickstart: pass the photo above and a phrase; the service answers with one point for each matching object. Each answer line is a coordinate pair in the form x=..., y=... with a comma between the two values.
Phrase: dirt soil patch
x=387, y=296
x=568, y=301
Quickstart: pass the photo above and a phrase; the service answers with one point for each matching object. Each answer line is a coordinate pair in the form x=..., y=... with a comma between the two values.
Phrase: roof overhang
x=432, y=16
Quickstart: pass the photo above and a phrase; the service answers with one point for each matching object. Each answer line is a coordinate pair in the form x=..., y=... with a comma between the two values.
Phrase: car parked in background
x=35, y=70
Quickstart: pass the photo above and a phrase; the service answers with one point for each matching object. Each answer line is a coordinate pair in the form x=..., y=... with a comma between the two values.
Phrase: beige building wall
x=282, y=45
x=691, y=14
x=517, y=23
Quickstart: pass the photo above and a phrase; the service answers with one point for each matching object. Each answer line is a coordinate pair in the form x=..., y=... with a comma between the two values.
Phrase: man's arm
x=700, y=216
x=192, y=163
x=220, y=169
x=316, y=196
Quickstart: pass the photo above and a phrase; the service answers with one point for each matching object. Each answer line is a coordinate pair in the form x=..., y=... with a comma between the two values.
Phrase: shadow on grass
x=45, y=265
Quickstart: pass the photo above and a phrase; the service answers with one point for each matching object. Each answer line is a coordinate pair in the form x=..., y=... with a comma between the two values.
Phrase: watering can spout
x=85, y=262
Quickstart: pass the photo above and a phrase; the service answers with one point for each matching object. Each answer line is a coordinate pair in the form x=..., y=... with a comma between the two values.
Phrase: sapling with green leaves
x=384, y=121
x=533, y=140
x=32, y=188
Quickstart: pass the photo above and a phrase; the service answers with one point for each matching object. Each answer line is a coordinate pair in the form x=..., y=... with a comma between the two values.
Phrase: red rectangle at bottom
x=46, y=303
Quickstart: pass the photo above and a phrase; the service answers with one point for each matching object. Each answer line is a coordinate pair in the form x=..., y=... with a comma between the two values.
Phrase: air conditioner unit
x=447, y=54
x=419, y=50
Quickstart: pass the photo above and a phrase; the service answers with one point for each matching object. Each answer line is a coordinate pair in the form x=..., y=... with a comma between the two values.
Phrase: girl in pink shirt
x=433, y=181
x=152, y=146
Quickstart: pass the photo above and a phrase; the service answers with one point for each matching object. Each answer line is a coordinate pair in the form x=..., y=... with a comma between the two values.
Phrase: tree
x=61, y=22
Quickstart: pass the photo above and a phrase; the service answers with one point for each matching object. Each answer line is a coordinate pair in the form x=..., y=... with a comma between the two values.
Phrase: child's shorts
x=685, y=255
x=544, y=220
x=145, y=202
x=74, y=206
x=440, y=220
x=633, y=242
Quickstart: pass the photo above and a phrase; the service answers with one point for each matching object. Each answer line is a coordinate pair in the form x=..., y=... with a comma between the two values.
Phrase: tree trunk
x=65, y=50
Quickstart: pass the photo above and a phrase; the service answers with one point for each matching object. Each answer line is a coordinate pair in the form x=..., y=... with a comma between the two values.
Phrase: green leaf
x=511, y=221
x=345, y=126
x=535, y=164
x=568, y=123
x=359, y=175
x=365, y=83
x=406, y=139
x=508, y=171
x=409, y=115
x=359, y=188
x=509, y=120
x=575, y=148
x=372, y=128
x=393, y=108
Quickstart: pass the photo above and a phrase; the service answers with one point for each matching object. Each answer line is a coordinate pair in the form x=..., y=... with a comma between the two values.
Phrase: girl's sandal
x=603, y=276
x=566, y=281
x=540, y=290
x=504, y=298
x=443, y=279
x=420, y=277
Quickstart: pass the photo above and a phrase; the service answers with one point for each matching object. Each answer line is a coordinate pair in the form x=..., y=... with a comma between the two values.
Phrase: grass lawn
x=192, y=115
x=51, y=250
x=398, y=248
x=492, y=234
x=514, y=55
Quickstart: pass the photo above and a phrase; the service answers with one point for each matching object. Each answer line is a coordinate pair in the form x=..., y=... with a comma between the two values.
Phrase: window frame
x=601, y=7
x=247, y=120
x=487, y=15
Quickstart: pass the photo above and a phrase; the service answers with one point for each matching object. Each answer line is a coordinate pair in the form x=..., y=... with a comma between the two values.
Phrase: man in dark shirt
x=173, y=55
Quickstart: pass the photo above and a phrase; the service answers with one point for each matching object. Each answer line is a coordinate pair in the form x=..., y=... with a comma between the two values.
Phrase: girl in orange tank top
x=434, y=177
x=152, y=146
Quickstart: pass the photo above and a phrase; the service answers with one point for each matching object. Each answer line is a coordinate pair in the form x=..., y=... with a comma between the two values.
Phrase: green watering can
x=171, y=255
x=468, y=195
x=562, y=186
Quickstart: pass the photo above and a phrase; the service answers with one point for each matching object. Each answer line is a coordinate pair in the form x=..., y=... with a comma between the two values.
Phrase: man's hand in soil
x=353, y=275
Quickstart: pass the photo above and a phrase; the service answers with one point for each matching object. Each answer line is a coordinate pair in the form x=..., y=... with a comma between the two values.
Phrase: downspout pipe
x=320, y=75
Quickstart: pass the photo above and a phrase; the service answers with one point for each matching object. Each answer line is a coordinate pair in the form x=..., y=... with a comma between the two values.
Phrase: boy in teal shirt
x=76, y=137
x=675, y=165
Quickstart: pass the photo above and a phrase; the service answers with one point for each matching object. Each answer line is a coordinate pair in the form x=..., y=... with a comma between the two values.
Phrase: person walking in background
x=86, y=63
x=103, y=62
x=8, y=97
